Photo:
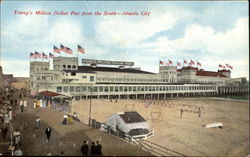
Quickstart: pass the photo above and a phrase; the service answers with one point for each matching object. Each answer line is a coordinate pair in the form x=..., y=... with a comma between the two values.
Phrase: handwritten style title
x=83, y=13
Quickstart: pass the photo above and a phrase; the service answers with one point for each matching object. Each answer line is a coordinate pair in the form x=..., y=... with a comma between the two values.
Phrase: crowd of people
x=9, y=100
x=93, y=150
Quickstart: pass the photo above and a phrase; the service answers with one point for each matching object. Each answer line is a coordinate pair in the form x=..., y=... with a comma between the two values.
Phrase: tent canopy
x=51, y=94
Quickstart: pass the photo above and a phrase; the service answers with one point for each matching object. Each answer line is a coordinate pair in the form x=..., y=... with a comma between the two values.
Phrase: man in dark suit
x=48, y=132
x=98, y=149
x=84, y=149
x=93, y=149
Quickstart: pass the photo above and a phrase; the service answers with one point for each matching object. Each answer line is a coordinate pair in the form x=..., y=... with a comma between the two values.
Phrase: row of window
x=66, y=89
x=127, y=80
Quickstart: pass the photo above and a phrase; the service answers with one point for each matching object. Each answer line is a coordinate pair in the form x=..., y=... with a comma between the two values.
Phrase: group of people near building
x=93, y=150
x=9, y=100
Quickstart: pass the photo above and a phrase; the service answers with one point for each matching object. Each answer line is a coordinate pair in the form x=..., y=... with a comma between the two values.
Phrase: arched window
x=64, y=66
x=73, y=67
x=69, y=66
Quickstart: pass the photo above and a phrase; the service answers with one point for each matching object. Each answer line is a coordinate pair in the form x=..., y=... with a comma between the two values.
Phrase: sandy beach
x=186, y=135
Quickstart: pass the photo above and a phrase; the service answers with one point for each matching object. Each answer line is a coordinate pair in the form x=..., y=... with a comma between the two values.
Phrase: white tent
x=128, y=122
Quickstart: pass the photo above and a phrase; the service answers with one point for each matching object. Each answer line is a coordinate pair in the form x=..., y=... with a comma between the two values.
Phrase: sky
x=211, y=33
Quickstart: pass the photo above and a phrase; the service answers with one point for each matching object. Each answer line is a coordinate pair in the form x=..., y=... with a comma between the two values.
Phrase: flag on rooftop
x=170, y=62
x=220, y=66
x=178, y=64
x=227, y=65
x=80, y=49
x=192, y=62
x=199, y=64
x=161, y=62
x=51, y=55
x=45, y=56
x=62, y=48
x=56, y=49
x=32, y=55
x=69, y=51
x=37, y=55
x=185, y=62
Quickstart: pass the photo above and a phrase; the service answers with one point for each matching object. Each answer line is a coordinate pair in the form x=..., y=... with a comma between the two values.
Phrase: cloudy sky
x=212, y=33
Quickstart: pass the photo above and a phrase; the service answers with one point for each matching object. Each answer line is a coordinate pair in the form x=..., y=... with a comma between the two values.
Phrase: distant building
x=121, y=80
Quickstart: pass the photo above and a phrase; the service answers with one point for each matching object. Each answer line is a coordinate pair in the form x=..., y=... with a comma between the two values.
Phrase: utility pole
x=91, y=88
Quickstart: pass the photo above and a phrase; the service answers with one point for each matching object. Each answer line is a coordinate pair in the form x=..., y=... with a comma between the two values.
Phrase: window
x=95, y=89
x=83, y=88
x=130, y=89
x=121, y=89
x=59, y=89
x=84, y=77
x=69, y=66
x=65, y=89
x=64, y=66
x=106, y=89
x=116, y=88
x=100, y=89
x=134, y=88
x=77, y=89
x=111, y=89
x=71, y=89
x=125, y=89
x=91, y=78
x=73, y=74
x=73, y=67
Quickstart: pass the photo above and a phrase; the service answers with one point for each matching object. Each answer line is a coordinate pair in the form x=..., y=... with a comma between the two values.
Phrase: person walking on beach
x=85, y=149
x=21, y=105
x=37, y=123
x=181, y=113
x=65, y=119
x=199, y=112
x=98, y=149
x=93, y=149
x=48, y=133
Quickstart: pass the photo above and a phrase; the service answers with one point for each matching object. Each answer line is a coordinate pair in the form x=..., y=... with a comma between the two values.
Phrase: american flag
x=62, y=48
x=192, y=62
x=227, y=65
x=37, y=55
x=45, y=56
x=80, y=49
x=220, y=66
x=178, y=64
x=170, y=62
x=161, y=63
x=69, y=51
x=231, y=67
x=32, y=55
x=185, y=62
x=56, y=49
x=199, y=64
x=51, y=55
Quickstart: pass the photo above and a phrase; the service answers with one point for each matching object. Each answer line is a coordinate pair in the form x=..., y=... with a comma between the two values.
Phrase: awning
x=52, y=94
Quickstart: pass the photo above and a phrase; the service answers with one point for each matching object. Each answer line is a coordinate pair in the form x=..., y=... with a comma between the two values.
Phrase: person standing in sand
x=181, y=113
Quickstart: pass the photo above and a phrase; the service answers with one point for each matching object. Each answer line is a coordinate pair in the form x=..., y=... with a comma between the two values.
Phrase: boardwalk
x=67, y=138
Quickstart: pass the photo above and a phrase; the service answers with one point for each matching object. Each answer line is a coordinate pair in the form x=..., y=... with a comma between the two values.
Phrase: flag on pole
x=170, y=62
x=227, y=65
x=161, y=62
x=51, y=55
x=199, y=64
x=80, y=49
x=62, y=48
x=37, y=55
x=192, y=62
x=32, y=55
x=231, y=67
x=56, y=49
x=185, y=62
x=178, y=64
x=69, y=51
x=220, y=66
x=45, y=56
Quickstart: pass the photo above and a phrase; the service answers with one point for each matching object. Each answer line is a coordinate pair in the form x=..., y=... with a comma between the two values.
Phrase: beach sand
x=186, y=135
